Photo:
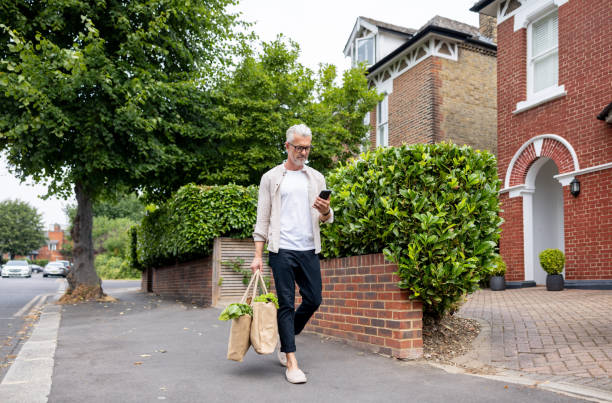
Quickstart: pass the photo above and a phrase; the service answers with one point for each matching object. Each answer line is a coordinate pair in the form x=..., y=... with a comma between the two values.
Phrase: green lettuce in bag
x=236, y=310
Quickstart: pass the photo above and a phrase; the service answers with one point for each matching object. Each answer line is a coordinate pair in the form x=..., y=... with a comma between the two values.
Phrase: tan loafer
x=295, y=376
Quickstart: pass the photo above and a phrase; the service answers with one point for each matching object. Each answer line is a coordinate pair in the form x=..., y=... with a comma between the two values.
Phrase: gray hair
x=300, y=129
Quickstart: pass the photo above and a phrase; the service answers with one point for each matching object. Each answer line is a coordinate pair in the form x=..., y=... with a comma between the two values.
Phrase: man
x=288, y=215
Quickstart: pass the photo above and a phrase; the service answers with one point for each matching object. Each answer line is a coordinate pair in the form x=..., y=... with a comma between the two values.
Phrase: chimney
x=488, y=26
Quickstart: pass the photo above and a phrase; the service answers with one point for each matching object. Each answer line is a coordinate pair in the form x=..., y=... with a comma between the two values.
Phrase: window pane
x=544, y=34
x=382, y=137
x=365, y=50
x=386, y=135
x=545, y=72
x=383, y=110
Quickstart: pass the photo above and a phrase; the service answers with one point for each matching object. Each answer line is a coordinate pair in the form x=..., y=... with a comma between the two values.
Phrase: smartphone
x=325, y=194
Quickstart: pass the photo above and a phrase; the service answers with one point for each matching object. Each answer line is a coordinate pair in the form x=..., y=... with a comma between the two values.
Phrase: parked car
x=55, y=269
x=36, y=268
x=66, y=264
x=16, y=268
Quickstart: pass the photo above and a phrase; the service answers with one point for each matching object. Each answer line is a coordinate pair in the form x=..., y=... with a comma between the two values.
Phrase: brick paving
x=563, y=336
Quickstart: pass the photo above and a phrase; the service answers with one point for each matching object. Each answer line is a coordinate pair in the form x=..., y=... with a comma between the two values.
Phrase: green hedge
x=432, y=209
x=185, y=226
x=111, y=267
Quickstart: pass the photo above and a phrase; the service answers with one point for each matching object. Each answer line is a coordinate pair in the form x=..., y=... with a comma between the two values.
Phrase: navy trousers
x=288, y=268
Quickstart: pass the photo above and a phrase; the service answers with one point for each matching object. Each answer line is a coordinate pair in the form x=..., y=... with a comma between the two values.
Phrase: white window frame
x=382, y=124
x=547, y=94
x=368, y=37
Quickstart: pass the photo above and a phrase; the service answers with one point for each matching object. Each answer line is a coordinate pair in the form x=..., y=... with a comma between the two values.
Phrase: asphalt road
x=17, y=298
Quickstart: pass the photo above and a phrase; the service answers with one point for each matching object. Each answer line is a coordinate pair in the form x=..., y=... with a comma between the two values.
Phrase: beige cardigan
x=267, y=227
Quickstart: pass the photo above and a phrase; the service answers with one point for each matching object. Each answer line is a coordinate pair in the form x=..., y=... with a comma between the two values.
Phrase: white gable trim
x=358, y=25
x=430, y=46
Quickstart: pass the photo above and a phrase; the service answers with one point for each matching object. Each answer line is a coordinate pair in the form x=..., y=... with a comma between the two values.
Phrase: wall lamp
x=575, y=187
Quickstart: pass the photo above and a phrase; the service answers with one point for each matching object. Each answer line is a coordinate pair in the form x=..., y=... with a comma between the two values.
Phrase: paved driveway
x=562, y=336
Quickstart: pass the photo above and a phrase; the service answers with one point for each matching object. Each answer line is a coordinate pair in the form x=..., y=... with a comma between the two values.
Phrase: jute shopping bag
x=240, y=332
x=264, y=327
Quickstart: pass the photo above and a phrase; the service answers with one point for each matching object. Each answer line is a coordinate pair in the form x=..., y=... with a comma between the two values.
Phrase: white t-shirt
x=295, y=217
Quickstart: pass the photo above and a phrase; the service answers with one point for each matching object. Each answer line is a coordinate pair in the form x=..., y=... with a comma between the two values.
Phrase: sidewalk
x=561, y=336
x=144, y=348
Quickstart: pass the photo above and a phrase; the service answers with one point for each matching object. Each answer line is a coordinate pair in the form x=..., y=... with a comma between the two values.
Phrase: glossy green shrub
x=431, y=208
x=185, y=226
x=552, y=261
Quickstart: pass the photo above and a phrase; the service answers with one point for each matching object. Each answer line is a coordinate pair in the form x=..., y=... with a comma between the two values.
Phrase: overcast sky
x=320, y=27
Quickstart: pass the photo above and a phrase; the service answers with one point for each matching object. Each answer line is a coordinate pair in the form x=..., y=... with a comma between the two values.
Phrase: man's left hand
x=321, y=205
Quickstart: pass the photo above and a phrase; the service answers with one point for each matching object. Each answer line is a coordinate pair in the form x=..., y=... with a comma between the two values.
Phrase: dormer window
x=365, y=50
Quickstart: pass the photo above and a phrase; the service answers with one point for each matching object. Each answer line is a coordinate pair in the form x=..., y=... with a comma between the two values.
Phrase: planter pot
x=497, y=283
x=554, y=282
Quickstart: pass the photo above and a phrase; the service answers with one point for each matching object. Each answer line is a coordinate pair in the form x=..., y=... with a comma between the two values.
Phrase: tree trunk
x=83, y=277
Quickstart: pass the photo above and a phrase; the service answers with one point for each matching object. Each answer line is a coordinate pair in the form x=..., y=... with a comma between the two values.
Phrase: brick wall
x=585, y=57
x=467, y=94
x=363, y=305
x=189, y=281
x=584, y=68
x=488, y=26
x=411, y=106
x=440, y=99
x=511, y=242
x=588, y=228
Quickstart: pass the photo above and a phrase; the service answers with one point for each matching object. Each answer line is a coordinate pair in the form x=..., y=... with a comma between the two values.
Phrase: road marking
x=27, y=306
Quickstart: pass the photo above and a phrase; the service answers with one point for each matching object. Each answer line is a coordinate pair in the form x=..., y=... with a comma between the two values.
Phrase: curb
x=479, y=359
x=29, y=377
x=571, y=390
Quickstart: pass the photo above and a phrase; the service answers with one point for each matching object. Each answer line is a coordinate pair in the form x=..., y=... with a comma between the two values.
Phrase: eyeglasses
x=300, y=149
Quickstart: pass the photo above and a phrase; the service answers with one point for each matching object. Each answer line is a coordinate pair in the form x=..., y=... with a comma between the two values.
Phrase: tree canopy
x=268, y=93
x=106, y=97
x=110, y=95
x=21, y=228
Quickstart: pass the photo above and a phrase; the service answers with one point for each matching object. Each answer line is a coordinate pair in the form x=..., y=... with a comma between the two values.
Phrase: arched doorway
x=547, y=213
x=536, y=173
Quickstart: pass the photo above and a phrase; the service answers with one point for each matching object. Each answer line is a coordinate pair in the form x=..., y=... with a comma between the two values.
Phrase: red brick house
x=56, y=238
x=439, y=81
x=554, y=89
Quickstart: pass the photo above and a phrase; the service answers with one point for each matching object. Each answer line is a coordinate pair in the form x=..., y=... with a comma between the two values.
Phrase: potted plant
x=498, y=281
x=552, y=261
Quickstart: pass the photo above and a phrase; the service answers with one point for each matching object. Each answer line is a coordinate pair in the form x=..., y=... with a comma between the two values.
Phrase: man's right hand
x=257, y=264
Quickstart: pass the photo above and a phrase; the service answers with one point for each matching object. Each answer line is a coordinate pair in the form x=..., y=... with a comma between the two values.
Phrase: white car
x=54, y=269
x=66, y=264
x=16, y=268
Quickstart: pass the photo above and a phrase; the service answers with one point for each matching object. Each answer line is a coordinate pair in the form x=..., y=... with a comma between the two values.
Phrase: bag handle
x=246, y=292
x=263, y=283
x=258, y=281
